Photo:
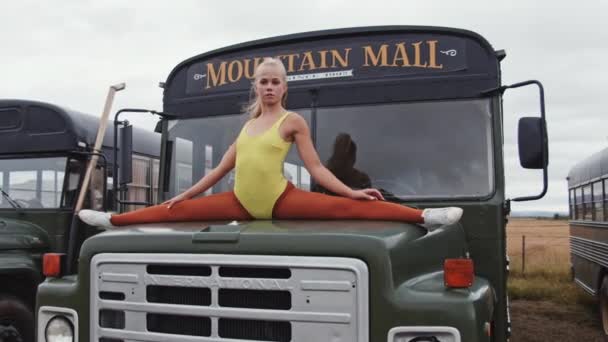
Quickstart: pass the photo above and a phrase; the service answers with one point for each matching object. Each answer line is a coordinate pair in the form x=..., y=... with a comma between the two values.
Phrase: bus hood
x=17, y=234
x=409, y=247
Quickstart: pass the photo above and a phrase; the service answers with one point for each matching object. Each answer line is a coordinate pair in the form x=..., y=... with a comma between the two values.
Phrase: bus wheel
x=16, y=321
x=603, y=296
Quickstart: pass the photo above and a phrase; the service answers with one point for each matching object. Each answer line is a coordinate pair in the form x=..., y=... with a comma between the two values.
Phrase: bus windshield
x=33, y=182
x=416, y=150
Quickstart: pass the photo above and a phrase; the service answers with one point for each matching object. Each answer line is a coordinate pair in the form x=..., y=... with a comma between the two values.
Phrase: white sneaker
x=436, y=217
x=96, y=218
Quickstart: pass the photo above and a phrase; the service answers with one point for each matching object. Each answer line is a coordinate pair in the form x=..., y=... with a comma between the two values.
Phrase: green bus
x=44, y=150
x=423, y=105
x=587, y=187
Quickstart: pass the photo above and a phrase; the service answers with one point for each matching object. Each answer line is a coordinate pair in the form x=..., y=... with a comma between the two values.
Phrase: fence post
x=523, y=255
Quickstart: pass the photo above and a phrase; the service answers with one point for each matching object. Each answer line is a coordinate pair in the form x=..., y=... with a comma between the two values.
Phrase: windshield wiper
x=10, y=200
x=389, y=197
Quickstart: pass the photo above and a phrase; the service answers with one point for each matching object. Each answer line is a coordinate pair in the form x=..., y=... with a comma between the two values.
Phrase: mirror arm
x=544, y=133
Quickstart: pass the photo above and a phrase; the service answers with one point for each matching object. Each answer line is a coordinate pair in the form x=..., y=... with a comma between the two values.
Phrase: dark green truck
x=424, y=106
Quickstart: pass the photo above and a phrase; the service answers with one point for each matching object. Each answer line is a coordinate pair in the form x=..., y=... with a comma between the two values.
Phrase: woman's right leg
x=222, y=206
x=299, y=204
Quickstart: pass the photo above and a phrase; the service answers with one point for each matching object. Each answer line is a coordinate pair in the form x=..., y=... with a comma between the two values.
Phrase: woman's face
x=270, y=86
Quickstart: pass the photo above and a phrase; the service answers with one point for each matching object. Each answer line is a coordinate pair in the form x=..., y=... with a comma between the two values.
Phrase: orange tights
x=293, y=204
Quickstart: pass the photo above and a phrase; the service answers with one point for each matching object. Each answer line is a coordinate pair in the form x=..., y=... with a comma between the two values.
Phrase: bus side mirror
x=532, y=143
x=532, y=139
x=126, y=151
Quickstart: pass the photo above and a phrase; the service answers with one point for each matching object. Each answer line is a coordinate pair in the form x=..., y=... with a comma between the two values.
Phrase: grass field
x=546, y=305
x=546, y=274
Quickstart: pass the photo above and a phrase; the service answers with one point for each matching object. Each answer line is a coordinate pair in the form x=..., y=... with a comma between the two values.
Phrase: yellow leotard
x=259, y=180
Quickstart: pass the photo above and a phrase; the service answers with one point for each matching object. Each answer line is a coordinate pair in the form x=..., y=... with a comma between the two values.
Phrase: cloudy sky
x=69, y=52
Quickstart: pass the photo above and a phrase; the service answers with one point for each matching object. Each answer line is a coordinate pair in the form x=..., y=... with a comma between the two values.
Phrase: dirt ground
x=546, y=321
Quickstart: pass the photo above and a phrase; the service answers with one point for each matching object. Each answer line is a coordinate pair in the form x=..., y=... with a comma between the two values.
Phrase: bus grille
x=177, y=297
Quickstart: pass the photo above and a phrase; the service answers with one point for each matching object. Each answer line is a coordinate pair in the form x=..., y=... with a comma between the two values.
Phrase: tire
x=16, y=321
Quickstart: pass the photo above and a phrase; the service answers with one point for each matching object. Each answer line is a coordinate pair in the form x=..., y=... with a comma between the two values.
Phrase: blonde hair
x=254, y=108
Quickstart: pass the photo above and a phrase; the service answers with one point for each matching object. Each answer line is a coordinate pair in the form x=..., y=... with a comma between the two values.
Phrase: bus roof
x=37, y=127
x=342, y=66
x=591, y=168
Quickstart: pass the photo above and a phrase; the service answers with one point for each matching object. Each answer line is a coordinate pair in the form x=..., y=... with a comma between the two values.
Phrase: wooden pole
x=103, y=123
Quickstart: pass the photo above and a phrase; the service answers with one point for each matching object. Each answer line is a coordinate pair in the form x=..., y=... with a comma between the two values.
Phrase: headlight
x=59, y=329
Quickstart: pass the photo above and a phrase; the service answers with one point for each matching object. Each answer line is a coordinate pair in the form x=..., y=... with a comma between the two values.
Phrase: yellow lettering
x=290, y=61
x=417, y=56
x=375, y=58
x=343, y=60
x=216, y=78
x=401, y=55
x=250, y=71
x=307, y=62
x=433, y=55
x=323, y=55
x=239, y=71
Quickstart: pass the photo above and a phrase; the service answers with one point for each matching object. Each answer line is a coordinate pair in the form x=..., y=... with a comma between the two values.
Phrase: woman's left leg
x=299, y=204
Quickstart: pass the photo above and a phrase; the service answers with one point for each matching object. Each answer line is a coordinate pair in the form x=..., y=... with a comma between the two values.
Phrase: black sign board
x=334, y=61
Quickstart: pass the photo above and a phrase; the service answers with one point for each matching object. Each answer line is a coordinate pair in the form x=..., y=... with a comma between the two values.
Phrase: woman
x=260, y=190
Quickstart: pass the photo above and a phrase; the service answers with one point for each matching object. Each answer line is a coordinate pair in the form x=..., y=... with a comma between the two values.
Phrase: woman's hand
x=179, y=198
x=366, y=194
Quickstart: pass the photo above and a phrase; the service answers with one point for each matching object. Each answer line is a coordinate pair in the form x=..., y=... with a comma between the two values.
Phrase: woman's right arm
x=226, y=164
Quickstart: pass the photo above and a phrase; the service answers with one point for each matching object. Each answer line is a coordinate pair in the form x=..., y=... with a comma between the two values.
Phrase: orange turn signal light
x=458, y=273
x=51, y=264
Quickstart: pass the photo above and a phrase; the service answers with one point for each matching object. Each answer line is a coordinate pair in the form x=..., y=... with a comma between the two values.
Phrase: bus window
x=22, y=185
x=200, y=144
x=572, y=216
x=578, y=197
x=605, y=200
x=95, y=191
x=139, y=189
x=72, y=180
x=304, y=179
x=3, y=202
x=598, y=201
x=34, y=183
x=155, y=173
x=110, y=192
x=51, y=188
x=587, y=203
x=443, y=163
x=298, y=175
x=290, y=171
x=208, y=164
x=183, y=172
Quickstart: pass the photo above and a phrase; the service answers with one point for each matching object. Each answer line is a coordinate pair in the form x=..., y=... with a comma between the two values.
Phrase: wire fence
x=537, y=254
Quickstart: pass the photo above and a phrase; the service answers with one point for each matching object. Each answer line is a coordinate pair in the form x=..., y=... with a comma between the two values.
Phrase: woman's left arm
x=298, y=129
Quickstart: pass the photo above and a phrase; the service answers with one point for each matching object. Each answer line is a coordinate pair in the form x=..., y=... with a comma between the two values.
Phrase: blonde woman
x=260, y=189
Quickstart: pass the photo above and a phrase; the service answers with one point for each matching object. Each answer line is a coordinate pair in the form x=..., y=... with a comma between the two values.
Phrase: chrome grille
x=177, y=324
x=178, y=297
x=255, y=330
